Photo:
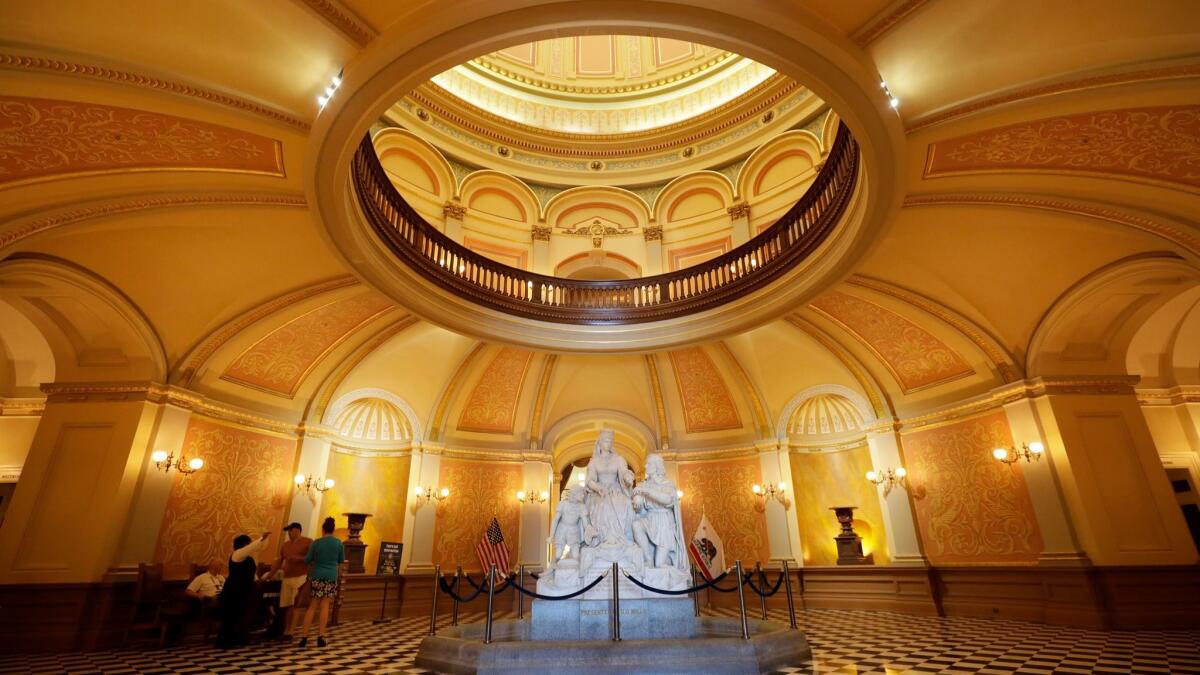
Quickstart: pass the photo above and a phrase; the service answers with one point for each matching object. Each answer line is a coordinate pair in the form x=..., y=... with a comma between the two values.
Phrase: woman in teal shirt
x=324, y=556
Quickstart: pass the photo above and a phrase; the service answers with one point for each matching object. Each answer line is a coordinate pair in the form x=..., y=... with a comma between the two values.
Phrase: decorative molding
x=454, y=210
x=344, y=19
x=22, y=407
x=200, y=354
x=884, y=21
x=539, y=233
x=535, y=421
x=414, y=422
x=44, y=64
x=739, y=210
x=760, y=413
x=1076, y=84
x=435, y=427
x=914, y=356
x=857, y=400
x=1157, y=145
x=707, y=405
x=652, y=233
x=1177, y=395
x=344, y=368
x=41, y=223
x=1178, y=235
x=10, y=473
x=989, y=345
x=94, y=139
x=660, y=408
x=865, y=379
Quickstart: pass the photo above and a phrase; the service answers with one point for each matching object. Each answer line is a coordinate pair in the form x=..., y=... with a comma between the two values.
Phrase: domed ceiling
x=621, y=110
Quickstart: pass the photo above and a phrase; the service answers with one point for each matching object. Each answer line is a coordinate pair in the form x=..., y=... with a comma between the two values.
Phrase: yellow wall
x=720, y=489
x=374, y=485
x=825, y=480
x=16, y=435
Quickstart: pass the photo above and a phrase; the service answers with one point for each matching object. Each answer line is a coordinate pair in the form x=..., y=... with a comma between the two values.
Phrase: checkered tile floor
x=843, y=642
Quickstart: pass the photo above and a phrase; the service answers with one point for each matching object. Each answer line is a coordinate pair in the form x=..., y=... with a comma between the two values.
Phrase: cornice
x=1171, y=396
x=10, y=473
x=1063, y=86
x=63, y=67
x=839, y=446
x=884, y=21
x=1176, y=234
x=650, y=88
x=22, y=407
x=343, y=19
x=28, y=227
x=716, y=454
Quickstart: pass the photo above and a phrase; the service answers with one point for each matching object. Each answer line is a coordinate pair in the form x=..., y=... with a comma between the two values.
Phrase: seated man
x=207, y=585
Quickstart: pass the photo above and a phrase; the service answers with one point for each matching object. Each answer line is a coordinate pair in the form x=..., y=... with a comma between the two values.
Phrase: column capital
x=539, y=233
x=652, y=233
x=739, y=210
x=454, y=210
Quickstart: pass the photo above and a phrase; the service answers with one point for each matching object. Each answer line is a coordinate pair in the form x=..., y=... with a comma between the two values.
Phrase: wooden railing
x=699, y=287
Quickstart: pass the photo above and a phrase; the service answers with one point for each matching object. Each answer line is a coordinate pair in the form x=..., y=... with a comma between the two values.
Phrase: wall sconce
x=770, y=491
x=428, y=495
x=531, y=497
x=165, y=461
x=679, y=494
x=1028, y=452
x=888, y=478
x=308, y=484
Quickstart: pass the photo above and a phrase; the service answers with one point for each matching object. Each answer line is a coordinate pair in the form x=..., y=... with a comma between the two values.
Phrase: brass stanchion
x=737, y=564
x=521, y=596
x=787, y=587
x=487, y=627
x=762, y=595
x=454, y=605
x=437, y=579
x=616, y=607
x=696, y=594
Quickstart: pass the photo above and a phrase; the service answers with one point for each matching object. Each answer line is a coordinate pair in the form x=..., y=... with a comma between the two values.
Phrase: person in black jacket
x=238, y=591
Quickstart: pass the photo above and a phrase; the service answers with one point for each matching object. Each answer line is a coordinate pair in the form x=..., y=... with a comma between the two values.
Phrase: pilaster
x=739, y=223
x=654, y=253
x=453, y=214
x=899, y=518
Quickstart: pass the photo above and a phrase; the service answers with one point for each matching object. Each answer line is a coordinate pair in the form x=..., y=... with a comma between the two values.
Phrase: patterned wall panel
x=970, y=508
x=914, y=356
x=375, y=485
x=1157, y=144
x=721, y=490
x=707, y=405
x=479, y=492
x=279, y=362
x=244, y=487
x=492, y=405
x=824, y=480
x=43, y=138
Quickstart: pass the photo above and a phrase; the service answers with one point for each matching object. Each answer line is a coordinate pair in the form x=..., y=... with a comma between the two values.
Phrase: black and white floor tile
x=843, y=643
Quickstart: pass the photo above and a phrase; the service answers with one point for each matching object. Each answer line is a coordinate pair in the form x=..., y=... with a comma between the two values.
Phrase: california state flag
x=707, y=551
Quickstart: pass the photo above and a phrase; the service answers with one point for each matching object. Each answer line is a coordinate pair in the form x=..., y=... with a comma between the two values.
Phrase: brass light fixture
x=888, y=478
x=532, y=497
x=308, y=483
x=429, y=495
x=775, y=491
x=1028, y=452
x=165, y=461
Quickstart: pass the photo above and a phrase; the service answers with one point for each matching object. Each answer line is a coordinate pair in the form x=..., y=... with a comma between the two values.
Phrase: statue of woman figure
x=658, y=529
x=609, y=483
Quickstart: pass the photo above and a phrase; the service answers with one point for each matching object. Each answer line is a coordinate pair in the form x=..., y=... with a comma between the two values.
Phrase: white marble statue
x=566, y=530
x=658, y=529
x=609, y=520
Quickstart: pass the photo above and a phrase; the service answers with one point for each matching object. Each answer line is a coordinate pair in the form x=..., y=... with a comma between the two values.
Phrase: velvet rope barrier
x=568, y=596
x=479, y=588
x=693, y=589
x=763, y=577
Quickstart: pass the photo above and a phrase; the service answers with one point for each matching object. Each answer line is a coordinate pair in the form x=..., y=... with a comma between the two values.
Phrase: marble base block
x=641, y=619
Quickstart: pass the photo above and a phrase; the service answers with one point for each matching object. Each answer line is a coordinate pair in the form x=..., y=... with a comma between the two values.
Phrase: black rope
x=763, y=577
x=568, y=596
x=471, y=581
x=693, y=589
x=735, y=586
x=450, y=591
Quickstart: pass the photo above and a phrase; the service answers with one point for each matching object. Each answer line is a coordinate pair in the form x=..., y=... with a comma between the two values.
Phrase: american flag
x=491, y=549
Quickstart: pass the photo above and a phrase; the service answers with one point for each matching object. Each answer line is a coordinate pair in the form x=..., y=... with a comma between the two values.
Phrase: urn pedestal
x=356, y=550
x=849, y=544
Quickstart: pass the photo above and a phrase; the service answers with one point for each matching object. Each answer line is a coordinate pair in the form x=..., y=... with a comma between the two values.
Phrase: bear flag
x=706, y=550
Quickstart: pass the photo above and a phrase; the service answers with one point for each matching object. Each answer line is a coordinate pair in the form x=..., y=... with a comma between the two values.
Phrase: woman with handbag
x=323, y=558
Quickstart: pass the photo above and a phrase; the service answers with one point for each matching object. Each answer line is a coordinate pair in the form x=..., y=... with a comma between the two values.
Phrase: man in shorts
x=295, y=572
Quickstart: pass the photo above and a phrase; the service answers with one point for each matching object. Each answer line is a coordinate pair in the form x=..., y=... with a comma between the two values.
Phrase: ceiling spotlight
x=335, y=82
x=894, y=102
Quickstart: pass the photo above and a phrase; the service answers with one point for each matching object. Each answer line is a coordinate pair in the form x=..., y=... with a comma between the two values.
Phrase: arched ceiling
x=203, y=259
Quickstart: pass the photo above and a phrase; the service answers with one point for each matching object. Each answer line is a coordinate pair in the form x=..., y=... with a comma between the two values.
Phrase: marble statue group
x=611, y=519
